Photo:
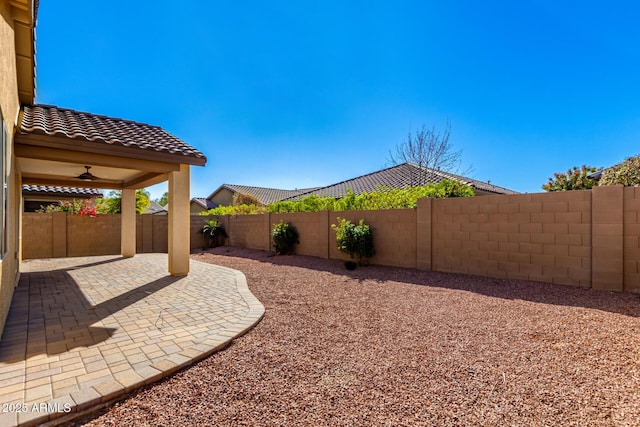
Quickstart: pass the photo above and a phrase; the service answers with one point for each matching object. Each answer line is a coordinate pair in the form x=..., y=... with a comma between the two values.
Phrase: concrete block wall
x=88, y=236
x=608, y=229
x=631, y=240
x=394, y=234
x=579, y=238
x=313, y=229
x=542, y=237
x=250, y=231
x=37, y=235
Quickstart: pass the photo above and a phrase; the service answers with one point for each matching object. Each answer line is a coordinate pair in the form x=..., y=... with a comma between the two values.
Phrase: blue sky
x=294, y=94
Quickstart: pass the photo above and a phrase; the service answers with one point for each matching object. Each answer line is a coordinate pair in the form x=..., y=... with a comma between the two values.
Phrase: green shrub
x=235, y=210
x=285, y=237
x=380, y=198
x=574, y=179
x=626, y=173
x=355, y=240
x=213, y=232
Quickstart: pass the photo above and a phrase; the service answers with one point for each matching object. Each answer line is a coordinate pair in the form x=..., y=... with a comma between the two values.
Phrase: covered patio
x=84, y=331
x=62, y=147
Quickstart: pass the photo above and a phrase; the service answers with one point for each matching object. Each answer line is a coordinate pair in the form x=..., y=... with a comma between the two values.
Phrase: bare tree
x=428, y=149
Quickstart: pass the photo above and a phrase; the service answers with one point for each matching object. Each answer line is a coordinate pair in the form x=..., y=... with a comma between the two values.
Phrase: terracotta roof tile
x=61, y=191
x=55, y=121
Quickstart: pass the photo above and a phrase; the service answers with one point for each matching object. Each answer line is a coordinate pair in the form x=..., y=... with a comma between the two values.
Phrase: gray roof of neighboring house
x=399, y=176
x=204, y=203
x=55, y=121
x=155, y=208
x=263, y=195
x=50, y=190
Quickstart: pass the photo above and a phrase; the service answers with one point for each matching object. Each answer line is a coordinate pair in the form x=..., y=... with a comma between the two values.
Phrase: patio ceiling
x=53, y=146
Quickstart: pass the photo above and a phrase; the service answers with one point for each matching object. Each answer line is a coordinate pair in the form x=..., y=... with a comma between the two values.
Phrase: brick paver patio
x=83, y=331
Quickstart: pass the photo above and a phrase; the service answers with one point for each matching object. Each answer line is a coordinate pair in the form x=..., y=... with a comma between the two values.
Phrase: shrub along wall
x=587, y=238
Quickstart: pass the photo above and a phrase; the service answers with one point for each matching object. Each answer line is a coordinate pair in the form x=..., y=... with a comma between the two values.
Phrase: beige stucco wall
x=9, y=102
x=195, y=208
x=223, y=197
x=9, y=105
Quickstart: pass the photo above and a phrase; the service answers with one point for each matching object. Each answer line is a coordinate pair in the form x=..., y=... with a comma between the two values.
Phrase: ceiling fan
x=87, y=176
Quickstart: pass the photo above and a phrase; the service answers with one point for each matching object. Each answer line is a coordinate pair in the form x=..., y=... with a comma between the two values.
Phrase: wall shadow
x=623, y=303
x=50, y=315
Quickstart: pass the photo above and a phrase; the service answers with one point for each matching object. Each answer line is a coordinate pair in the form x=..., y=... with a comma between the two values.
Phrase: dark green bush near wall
x=285, y=237
x=355, y=240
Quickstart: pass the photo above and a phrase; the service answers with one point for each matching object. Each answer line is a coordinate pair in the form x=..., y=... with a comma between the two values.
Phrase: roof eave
x=39, y=139
x=23, y=13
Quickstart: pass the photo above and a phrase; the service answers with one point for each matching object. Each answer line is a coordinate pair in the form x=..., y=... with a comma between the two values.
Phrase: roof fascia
x=83, y=146
x=95, y=159
x=23, y=13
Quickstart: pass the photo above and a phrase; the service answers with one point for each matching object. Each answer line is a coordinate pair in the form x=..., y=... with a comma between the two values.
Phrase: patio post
x=179, y=222
x=128, y=223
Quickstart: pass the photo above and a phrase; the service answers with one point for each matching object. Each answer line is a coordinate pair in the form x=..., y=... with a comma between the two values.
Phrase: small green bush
x=355, y=240
x=213, y=233
x=285, y=237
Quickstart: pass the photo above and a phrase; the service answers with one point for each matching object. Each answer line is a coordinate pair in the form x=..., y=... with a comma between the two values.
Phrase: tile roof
x=155, y=208
x=263, y=195
x=399, y=176
x=54, y=121
x=61, y=191
x=204, y=202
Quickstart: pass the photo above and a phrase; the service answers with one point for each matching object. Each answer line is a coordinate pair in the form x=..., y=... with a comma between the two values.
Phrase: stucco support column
x=179, y=222
x=128, y=223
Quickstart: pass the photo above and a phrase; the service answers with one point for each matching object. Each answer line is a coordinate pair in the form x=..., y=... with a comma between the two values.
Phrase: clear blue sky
x=293, y=94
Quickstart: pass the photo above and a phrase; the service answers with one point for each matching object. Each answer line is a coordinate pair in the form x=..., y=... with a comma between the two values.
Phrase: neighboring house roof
x=54, y=121
x=399, y=176
x=263, y=195
x=596, y=175
x=47, y=190
x=204, y=203
x=155, y=208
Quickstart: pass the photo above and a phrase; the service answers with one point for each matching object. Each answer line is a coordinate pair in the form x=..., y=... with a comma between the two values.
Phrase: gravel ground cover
x=400, y=347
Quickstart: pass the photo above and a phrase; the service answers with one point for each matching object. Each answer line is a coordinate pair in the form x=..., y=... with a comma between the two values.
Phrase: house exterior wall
x=195, y=208
x=224, y=197
x=9, y=107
